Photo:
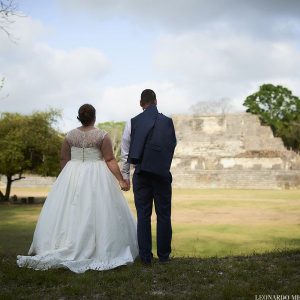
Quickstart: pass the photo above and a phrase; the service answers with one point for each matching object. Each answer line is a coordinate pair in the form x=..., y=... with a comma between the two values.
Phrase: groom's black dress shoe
x=164, y=260
x=146, y=263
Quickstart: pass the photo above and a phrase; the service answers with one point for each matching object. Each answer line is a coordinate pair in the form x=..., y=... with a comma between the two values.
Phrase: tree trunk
x=8, y=187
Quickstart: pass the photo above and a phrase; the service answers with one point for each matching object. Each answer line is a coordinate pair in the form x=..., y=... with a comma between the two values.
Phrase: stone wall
x=231, y=151
x=30, y=181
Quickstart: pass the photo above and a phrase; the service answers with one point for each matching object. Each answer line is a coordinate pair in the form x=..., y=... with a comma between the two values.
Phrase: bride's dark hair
x=86, y=114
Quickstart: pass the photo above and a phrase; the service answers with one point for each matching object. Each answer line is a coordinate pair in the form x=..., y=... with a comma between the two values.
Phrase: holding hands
x=124, y=184
x=108, y=155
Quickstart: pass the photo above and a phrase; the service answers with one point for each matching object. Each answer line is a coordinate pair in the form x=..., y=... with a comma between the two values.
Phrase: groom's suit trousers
x=148, y=187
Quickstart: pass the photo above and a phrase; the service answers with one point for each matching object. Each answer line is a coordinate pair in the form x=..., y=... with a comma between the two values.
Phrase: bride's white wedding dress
x=85, y=223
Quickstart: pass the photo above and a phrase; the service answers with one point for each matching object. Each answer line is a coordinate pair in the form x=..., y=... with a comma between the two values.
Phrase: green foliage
x=115, y=130
x=29, y=143
x=280, y=109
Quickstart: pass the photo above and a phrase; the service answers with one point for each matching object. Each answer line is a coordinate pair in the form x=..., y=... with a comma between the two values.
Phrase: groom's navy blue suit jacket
x=152, y=142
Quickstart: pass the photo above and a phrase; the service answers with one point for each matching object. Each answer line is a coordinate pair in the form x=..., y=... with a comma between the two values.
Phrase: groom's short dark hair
x=148, y=97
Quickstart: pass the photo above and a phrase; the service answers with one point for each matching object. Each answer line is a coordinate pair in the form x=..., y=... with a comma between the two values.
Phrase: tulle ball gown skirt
x=85, y=223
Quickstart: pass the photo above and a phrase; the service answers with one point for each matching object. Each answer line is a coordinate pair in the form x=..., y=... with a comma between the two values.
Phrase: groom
x=148, y=143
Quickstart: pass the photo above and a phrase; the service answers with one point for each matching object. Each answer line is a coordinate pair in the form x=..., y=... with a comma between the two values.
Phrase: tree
x=1, y=84
x=8, y=10
x=28, y=143
x=280, y=109
x=1, y=87
x=115, y=130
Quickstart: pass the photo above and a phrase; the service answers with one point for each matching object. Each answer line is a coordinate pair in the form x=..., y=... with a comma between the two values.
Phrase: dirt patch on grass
x=236, y=216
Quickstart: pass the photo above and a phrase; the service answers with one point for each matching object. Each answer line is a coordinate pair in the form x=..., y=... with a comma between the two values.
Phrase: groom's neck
x=147, y=105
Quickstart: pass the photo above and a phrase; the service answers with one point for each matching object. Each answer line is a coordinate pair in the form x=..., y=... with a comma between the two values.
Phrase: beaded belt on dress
x=85, y=154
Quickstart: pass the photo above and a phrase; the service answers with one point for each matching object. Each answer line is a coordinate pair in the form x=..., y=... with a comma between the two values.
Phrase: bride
x=85, y=223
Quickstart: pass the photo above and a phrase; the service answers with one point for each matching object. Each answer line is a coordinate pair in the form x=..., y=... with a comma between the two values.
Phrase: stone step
x=30, y=181
x=237, y=179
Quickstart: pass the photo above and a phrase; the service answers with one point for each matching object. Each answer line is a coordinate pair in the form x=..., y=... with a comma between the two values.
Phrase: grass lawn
x=227, y=244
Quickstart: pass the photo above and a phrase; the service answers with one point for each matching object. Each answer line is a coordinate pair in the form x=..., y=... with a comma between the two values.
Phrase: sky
x=65, y=53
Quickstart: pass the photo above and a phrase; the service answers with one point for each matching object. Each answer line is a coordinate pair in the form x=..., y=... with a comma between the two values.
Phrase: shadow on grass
x=194, y=277
x=232, y=277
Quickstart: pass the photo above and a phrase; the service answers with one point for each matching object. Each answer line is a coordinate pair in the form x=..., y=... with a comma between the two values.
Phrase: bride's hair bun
x=86, y=114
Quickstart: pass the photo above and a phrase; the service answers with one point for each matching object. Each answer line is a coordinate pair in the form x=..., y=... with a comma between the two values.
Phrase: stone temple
x=231, y=151
x=222, y=151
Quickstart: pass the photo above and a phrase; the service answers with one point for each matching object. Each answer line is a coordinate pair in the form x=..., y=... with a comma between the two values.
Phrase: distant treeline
x=115, y=130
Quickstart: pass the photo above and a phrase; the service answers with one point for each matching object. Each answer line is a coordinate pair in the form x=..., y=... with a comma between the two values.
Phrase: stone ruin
x=231, y=151
x=222, y=151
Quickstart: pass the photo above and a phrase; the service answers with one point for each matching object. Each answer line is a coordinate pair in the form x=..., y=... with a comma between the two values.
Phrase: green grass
x=227, y=244
x=184, y=278
x=205, y=222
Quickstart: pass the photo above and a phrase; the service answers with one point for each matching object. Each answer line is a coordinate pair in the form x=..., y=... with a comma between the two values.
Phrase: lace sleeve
x=102, y=135
x=71, y=138
x=65, y=153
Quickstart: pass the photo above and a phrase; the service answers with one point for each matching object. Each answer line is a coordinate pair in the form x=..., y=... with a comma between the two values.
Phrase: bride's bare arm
x=108, y=156
x=65, y=154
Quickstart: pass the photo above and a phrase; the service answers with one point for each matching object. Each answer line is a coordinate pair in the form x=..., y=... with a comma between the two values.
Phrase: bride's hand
x=124, y=185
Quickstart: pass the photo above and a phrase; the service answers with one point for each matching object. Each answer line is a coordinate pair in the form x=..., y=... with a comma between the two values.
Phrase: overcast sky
x=70, y=52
